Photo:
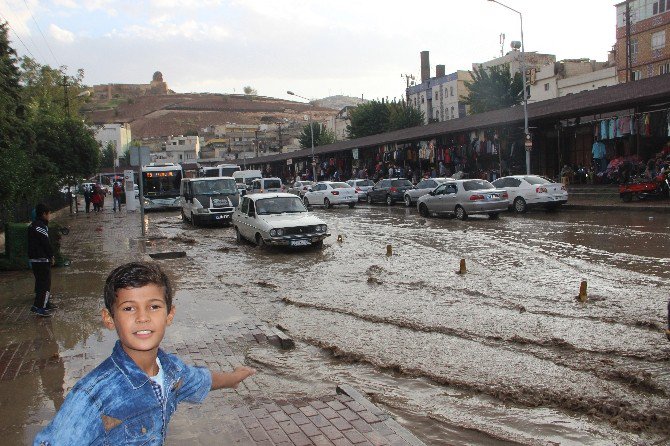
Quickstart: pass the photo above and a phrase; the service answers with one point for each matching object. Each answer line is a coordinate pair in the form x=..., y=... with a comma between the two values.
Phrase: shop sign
x=354, y=153
x=289, y=161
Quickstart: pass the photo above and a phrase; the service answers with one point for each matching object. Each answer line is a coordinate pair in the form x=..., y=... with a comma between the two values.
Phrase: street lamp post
x=525, y=92
x=311, y=131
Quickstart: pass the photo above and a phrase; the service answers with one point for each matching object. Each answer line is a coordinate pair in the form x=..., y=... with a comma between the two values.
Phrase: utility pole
x=629, y=65
x=279, y=135
x=66, y=101
x=407, y=77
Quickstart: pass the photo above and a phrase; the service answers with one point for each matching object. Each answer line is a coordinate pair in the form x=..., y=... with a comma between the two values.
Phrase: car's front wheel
x=460, y=213
x=259, y=241
x=389, y=200
x=520, y=205
x=369, y=199
x=238, y=236
x=326, y=203
x=408, y=201
x=423, y=210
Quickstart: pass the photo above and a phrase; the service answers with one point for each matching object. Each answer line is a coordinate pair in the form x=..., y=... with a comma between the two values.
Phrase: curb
x=406, y=435
x=615, y=207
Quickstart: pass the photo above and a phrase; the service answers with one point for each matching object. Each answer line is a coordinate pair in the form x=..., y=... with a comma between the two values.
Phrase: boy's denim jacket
x=118, y=404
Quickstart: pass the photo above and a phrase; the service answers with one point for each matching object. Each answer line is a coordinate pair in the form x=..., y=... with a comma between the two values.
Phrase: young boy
x=130, y=397
x=41, y=258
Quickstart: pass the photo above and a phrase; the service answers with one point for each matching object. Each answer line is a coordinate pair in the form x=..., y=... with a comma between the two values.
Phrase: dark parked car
x=389, y=191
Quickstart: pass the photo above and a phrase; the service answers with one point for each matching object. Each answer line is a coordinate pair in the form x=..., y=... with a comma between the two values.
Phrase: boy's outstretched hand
x=230, y=380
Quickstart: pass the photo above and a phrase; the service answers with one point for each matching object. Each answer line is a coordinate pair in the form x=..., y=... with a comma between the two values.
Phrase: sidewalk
x=606, y=198
x=41, y=359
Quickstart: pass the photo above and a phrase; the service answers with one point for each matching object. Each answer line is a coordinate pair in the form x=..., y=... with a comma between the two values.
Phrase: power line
x=17, y=36
x=40, y=30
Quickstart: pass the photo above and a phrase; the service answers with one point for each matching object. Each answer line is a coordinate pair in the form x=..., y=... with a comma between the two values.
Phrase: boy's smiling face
x=139, y=317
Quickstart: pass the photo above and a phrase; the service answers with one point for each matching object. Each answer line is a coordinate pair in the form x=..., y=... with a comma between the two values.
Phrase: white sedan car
x=277, y=219
x=329, y=194
x=422, y=188
x=526, y=191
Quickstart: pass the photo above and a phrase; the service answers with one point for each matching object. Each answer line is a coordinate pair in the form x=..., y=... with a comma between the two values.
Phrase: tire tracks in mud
x=501, y=373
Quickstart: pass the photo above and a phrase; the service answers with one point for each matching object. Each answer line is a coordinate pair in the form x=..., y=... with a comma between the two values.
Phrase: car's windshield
x=272, y=184
x=339, y=185
x=215, y=187
x=536, y=180
x=477, y=185
x=401, y=183
x=365, y=183
x=279, y=205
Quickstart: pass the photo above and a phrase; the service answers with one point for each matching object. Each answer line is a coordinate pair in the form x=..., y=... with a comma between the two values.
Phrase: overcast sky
x=316, y=48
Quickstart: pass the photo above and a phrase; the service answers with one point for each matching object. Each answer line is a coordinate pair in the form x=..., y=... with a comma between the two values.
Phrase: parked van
x=262, y=185
x=247, y=176
x=209, y=200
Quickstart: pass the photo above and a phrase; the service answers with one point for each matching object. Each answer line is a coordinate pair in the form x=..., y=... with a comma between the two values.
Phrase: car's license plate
x=222, y=217
x=493, y=196
x=300, y=242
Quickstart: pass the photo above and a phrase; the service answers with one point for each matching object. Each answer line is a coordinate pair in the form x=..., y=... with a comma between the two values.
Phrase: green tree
x=108, y=155
x=16, y=136
x=492, y=89
x=322, y=136
x=249, y=90
x=370, y=118
x=403, y=115
x=374, y=117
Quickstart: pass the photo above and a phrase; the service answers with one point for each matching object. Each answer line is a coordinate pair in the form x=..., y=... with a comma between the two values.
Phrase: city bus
x=222, y=170
x=160, y=184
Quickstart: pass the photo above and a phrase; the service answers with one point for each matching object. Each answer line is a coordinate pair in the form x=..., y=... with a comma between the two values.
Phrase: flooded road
x=504, y=354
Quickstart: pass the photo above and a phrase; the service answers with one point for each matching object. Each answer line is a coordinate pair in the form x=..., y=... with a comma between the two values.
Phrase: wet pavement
x=503, y=354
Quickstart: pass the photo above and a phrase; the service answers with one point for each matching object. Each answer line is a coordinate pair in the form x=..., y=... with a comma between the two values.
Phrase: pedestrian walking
x=131, y=396
x=96, y=199
x=88, y=192
x=116, y=194
x=41, y=258
x=667, y=332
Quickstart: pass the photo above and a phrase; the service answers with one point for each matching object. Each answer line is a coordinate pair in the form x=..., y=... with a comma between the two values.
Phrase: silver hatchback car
x=462, y=198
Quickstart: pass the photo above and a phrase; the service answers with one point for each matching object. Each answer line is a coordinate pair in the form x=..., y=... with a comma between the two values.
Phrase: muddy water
x=504, y=354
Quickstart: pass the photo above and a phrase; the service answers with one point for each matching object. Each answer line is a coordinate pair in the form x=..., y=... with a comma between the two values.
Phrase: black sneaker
x=43, y=312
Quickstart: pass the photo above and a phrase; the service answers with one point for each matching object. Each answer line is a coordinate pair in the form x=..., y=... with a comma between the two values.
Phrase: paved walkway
x=41, y=359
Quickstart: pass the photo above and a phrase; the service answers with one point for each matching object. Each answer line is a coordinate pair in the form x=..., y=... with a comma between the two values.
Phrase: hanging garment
x=647, y=125
x=633, y=125
x=604, y=130
x=612, y=128
x=624, y=125
x=596, y=131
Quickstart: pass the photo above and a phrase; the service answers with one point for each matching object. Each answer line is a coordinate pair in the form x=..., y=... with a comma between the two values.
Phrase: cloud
x=163, y=30
x=71, y=4
x=60, y=34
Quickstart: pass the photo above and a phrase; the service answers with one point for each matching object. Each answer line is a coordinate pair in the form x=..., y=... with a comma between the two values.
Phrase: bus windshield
x=215, y=187
x=161, y=183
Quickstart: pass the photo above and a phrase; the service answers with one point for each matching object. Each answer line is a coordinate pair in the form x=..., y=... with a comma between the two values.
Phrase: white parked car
x=277, y=219
x=362, y=187
x=301, y=187
x=527, y=191
x=329, y=194
x=422, y=188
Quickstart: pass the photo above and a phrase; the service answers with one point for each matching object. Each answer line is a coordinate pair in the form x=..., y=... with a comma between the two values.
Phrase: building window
x=637, y=75
x=437, y=115
x=664, y=69
x=546, y=87
x=451, y=90
x=422, y=100
x=658, y=40
x=436, y=95
x=452, y=112
x=660, y=6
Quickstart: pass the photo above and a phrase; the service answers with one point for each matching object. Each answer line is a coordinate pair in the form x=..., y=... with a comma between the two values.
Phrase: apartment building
x=118, y=134
x=439, y=97
x=570, y=76
x=642, y=33
x=181, y=149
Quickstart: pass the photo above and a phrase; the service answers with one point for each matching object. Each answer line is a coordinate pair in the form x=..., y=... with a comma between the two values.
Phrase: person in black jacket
x=41, y=258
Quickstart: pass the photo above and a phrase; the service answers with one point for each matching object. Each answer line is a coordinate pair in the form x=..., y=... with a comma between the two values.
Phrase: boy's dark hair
x=136, y=275
x=41, y=209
